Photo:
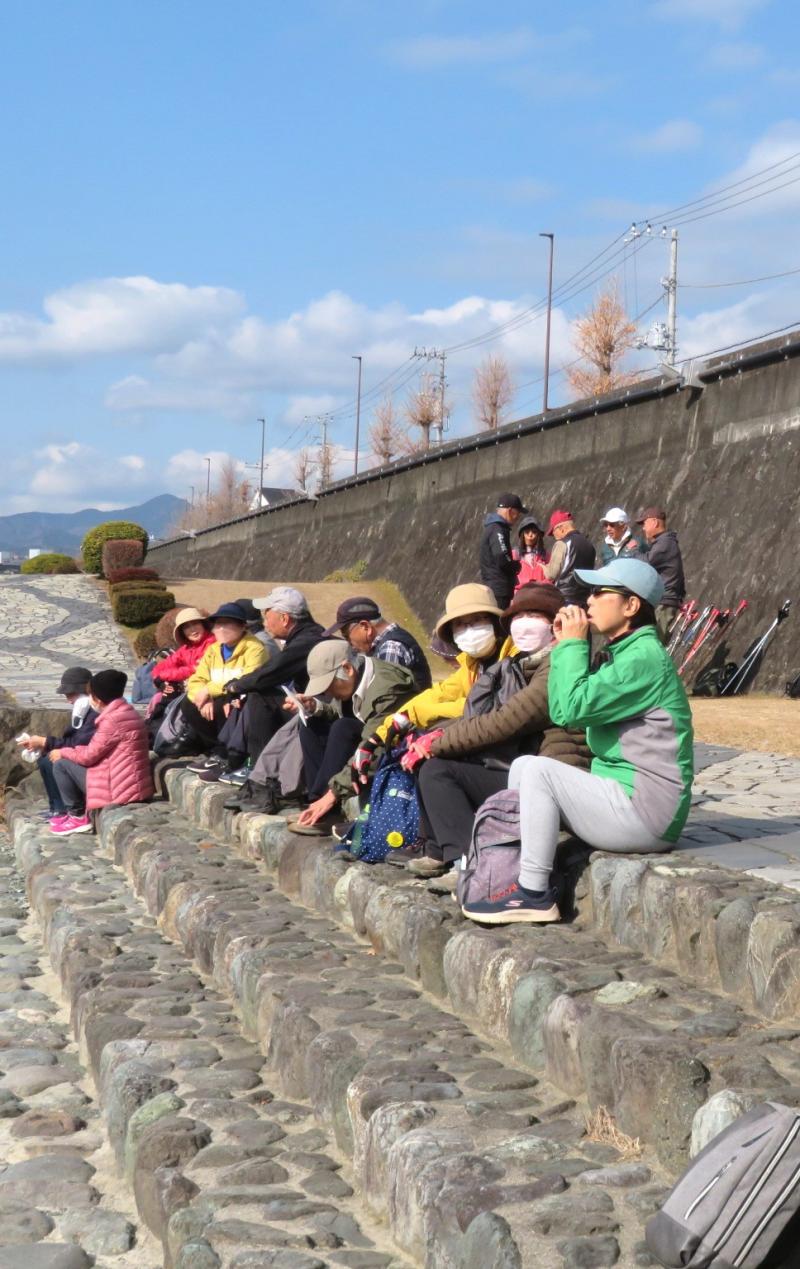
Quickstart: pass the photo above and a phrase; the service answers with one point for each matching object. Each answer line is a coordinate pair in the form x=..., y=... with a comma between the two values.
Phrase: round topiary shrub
x=49, y=562
x=109, y=531
x=144, y=645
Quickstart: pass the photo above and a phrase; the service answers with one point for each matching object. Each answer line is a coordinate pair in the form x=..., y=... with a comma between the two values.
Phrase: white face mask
x=531, y=634
x=477, y=640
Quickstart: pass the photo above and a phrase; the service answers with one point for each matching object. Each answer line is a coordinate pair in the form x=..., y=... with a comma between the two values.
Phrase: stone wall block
x=599, y=1031
x=658, y=930
x=533, y=995
x=128, y=1087
x=658, y=1087
x=695, y=906
x=625, y=916
x=291, y=1035
x=384, y=1128
x=561, y=1029
x=731, y=944
x=771, y=960
x=333, y=1060
x=601, y=875
x=159, y=1186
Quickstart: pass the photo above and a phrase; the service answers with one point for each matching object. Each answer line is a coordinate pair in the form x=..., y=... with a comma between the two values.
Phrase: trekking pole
x=703, y=632
x=738, y=679
x=687, y=610
x=690, y=630
x=727, y=620
x=696, y=631
x=707, y=636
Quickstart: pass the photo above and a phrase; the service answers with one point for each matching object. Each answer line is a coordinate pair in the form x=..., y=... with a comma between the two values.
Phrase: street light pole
x=263, y=423
x=547, y=327
x=358, y=415
x=208, y=482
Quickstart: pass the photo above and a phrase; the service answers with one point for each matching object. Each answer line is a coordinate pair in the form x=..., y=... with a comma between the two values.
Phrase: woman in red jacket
x=192, y=635
x=114, y=768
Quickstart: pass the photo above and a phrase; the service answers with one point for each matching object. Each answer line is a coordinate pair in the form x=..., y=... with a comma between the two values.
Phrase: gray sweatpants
x=595, y=809
x=281, y=758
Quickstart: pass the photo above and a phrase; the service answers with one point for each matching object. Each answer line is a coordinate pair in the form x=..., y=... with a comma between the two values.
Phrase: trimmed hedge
x=49, y=562
x=119, y=588
x=116, y=575
x=141, y=607
x=122, y=553
x=145, y=644
x=109, y=531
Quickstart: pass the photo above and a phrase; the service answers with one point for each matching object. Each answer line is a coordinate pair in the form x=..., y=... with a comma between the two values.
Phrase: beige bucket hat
x=189, y=614
x=466, y=601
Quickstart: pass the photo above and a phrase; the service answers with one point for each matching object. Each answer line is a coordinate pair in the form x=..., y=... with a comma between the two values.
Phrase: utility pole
x=208, y=482
x=192, y=489
x=261, y=469
x=547, y=327
x=358, y=415
x=324, y=456
x=672, y=300
x=437, y=354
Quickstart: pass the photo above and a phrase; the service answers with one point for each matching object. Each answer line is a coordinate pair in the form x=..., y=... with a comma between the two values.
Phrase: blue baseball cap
x=634, y=575
x=228, y=612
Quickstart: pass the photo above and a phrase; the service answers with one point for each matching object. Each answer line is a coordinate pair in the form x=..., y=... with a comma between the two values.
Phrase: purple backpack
x=491, y=863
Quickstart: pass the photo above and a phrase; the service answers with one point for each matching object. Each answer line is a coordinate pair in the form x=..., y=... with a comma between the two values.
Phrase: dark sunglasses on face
x=610, y=590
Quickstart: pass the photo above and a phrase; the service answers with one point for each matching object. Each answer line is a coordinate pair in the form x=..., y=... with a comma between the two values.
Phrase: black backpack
x=713, y=679
x=793, y=688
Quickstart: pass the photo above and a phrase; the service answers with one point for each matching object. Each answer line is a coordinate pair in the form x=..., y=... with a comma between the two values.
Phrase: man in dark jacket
x=360, y=622
x=664, y=555
x=571, y=550
x=74, y=686
x=286, y=619
x=498, y=567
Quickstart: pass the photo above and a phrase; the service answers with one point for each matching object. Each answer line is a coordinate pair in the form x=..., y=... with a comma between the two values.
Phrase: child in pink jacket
x=114, y=768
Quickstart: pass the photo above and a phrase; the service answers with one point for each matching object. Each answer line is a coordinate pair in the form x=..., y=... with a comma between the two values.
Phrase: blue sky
x=207, y=209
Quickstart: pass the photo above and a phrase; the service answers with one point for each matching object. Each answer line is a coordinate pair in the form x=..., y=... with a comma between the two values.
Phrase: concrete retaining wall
x=725, y=460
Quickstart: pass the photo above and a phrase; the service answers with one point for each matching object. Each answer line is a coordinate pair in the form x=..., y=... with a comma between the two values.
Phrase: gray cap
x=285, y=599
x=634, y=575
x=75, y=679
x=323, y=661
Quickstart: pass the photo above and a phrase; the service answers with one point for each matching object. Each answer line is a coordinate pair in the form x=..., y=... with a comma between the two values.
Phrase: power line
x=689, y=220
x=724, y=189
x=710, y=286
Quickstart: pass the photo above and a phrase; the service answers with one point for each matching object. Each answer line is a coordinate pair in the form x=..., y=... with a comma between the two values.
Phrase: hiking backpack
x=713, y=679
x=491, y=863
x=732, y=1207
x=391, y=817
x=793, y=688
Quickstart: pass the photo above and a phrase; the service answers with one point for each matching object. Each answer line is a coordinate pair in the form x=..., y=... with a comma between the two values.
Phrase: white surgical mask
x=531, y=634
x=478, y=640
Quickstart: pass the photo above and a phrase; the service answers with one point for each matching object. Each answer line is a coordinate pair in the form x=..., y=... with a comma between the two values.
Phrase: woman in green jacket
x=639, y=728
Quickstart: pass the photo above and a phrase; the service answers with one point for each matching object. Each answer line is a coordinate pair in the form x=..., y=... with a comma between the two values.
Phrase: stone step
x=467, y=1157
x=726, y=931
x=225, y=1171
x=634, y=1032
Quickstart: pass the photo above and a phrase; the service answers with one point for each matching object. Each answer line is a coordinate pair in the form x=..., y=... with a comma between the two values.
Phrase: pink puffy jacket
x=117, y=758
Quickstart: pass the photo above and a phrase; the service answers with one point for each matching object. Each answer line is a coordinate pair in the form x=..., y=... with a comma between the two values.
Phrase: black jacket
x=580, y=553
x=665, y=556
x=75, y=735
x=288, y=666
x=498, y=567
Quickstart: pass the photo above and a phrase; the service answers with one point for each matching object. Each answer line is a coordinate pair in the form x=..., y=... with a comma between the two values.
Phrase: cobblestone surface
x=49, y=623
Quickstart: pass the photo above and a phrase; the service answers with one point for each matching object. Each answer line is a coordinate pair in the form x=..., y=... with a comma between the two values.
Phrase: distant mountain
x=64, y=531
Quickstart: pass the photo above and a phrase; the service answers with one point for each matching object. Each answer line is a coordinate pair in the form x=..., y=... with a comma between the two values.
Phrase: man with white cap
x=620, y=541
x=288, y=621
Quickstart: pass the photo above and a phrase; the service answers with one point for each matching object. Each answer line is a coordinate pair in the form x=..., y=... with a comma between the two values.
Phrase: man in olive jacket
x=348, y=694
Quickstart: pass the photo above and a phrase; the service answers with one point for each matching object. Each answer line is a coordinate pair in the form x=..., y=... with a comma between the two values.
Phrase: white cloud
x=432, y=52
x=725, y=13
x=111, y=316
x=672, y=137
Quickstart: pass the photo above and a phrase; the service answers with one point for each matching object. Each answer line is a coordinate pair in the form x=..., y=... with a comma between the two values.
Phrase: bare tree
x=492, y=392
x=302, y=467
x=602, y=338
x=384, y=435
x=423, y=408
x=229, y=497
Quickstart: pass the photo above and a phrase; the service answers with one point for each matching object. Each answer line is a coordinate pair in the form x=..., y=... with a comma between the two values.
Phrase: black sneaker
x=213, y=770
x=200, y=764
x=515, y=905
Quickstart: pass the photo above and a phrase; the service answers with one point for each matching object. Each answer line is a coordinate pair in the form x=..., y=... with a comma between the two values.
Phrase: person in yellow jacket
x=234, y=653
x=471, y=624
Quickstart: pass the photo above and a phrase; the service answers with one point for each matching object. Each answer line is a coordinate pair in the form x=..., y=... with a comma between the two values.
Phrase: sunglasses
x=610, y=590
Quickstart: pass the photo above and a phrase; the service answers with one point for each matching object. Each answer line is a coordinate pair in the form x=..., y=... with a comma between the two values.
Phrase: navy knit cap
x=108, y=685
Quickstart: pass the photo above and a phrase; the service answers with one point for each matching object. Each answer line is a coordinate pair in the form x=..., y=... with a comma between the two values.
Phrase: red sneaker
x=72, y=824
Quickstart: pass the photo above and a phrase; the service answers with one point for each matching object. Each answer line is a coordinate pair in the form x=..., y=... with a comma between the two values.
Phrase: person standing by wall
x=531, y=552
x=620, y=542
x=664, y=555
x=572, y=551
x=498, y=567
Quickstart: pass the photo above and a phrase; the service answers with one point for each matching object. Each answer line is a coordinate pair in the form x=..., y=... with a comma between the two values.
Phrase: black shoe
x=258, y=798
x=242, y=798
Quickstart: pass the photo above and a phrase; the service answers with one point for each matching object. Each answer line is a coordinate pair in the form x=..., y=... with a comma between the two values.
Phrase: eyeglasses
x=610, y=590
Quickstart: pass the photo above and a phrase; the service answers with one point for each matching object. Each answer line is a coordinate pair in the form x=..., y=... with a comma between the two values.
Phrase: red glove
x=420, y=749
x=363, y=759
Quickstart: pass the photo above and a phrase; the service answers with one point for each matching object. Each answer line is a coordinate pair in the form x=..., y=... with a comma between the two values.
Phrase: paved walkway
x=49, y=623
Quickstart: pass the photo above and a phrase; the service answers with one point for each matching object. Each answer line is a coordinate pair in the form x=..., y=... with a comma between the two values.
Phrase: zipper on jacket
x=699, y=1198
